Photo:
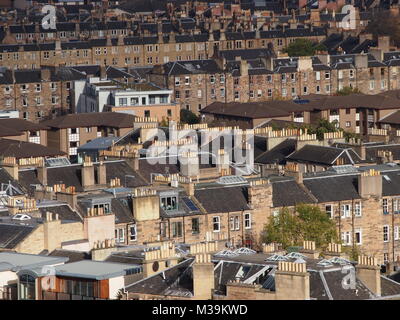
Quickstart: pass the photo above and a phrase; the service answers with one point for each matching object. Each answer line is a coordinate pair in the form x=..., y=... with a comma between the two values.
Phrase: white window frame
x=120, y=232
x=247, y=220
x=216, y=222
x=358, y=209
x=386, y=235
x=346, y=238
x=345, y=210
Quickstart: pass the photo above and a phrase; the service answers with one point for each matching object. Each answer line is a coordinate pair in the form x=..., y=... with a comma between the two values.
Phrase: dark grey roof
x=178, y=277
x=278, y=153
x=223, y=199
x=122, y=209
x=64, y=212
x=12, y=234
x=333, y=188
x=289, y=193
x=322, y=155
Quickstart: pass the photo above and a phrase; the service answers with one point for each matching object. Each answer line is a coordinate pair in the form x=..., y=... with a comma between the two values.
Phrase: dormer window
x=169, y=203
x=104, y=206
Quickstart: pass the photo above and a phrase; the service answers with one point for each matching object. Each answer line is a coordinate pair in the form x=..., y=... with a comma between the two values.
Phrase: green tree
x=303, y=47
x=384, y=24
x=307, y=222
x=189, y=117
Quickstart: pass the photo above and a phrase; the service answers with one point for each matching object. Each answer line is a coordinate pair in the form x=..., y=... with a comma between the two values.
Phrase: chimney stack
x=309, y=250
x=87, y=173
x=370, y=184
x=292, y=281
x=222, y=160
x=334, y=250
x=368, y=271
x=45, y=74
x=69, y=196
x=189, y=164
x=101, y=174
x=42, y=174
x=146, y=204
x=203, y=277
x=11, y=166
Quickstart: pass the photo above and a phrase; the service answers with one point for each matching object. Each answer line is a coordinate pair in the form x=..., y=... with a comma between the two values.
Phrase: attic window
x=104, y=206
x=169, y=203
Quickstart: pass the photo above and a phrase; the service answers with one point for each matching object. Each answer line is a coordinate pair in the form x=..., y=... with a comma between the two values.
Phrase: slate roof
x=333, y=188
x=191, y=67
x=254, y=110
x=372, y=151
x=289, y=193
x=323, y=155
x=278, y=153
x=64, y=211
x=12, y=234
x=107, y=119
x=160, y=283
x=392, y=118
x=325, y=283
x=122, y=209
x=71, y=175
x=223, y=199
x=22, y=149
x=336, y=290
x=15, y=124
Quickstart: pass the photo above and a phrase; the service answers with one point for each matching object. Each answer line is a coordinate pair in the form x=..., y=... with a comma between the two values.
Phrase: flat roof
x=97, y=270
x=100, y=143
x=16, y=261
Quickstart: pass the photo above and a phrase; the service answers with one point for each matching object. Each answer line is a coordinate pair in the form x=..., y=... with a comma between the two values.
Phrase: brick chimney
x=69, y=196
x=103, y=249
x=222, y=160
x=51, y=232
x=361, y=61
x=87, y=173
x=98, y=226
x=189, y=164
x=384, y=43
x=187, y=184
x=260, y=194
x=309, y=250
x=368, y=271
x=370, y=184
x=11, y=166
x=334, y=250
x=42, y=174
x=160, y=259
x=45, y=74
x=103, y=72
x=292, y=281
x=203, y=277
x=146, y=204
x=101, y=174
